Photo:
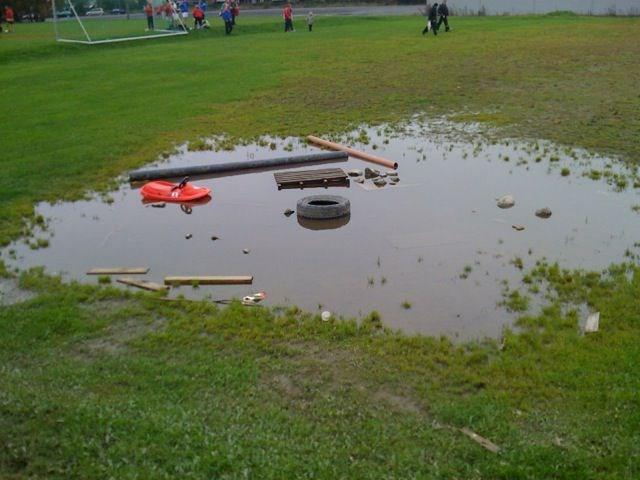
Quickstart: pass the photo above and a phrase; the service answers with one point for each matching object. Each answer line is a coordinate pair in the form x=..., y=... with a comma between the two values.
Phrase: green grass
x=81, y=115
x=97, y=383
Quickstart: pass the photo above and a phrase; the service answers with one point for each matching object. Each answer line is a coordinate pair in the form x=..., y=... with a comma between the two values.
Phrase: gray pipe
x=214, y=168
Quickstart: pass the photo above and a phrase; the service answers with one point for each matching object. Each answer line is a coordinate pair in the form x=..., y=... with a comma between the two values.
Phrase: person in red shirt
x=198, y=17
x=9, y=18
x=148, y=11
x=287, y=14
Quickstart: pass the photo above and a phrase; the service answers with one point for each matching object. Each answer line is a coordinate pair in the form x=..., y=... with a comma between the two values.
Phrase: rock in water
x=188, y=236
x=519, y=228
x=246, y=251
x=359, y=179
x=379, y=182
x=214, y=238
x=543, y=212
x=355, y=173
x=506, y=202
x=288, y=212
x=159, y=205
x=370, y=173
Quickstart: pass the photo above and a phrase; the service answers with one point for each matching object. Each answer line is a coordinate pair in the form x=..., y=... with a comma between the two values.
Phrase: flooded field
x=430, y=253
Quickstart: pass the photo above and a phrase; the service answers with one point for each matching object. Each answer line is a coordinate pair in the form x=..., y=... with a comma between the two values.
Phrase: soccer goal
x=110, y=21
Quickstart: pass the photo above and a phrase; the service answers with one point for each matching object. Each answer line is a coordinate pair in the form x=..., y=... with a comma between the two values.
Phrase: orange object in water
x=353, y=152
x=161, y=191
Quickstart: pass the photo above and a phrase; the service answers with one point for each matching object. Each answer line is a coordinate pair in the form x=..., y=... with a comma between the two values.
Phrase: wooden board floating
x=118, y=271
x=145, y=285
x=209, y=280
x=324, y=177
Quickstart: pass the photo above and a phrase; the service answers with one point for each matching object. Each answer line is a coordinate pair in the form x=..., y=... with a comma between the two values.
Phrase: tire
x=323, y=206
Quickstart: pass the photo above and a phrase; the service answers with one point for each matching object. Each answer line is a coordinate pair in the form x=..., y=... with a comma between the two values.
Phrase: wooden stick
x=354, y=153
x=145, y=285
x=119, y=271
x=486, y=443
x=209, y=280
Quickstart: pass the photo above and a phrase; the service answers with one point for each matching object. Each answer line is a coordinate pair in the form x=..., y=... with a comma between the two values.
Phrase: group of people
x=9, y=18
x=287, y=14
x=177, y=14
x=437, y=14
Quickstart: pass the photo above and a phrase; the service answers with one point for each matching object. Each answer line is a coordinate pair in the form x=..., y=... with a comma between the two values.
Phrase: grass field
x=96, y=383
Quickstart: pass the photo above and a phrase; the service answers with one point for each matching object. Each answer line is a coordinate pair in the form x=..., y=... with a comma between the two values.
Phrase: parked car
x=64, y=14
x=95, y=12
x=118, y=11
x=31, y=18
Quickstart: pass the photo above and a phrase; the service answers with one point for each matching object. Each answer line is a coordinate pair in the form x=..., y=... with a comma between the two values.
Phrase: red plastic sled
x=161, y=191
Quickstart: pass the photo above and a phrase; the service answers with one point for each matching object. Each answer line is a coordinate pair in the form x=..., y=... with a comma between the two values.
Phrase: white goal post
x=87, y=37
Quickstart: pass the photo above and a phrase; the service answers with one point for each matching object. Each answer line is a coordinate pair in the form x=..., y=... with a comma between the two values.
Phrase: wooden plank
x=209, y=280
x=145, y=285
x=334, y=172
x=310, y=177
x=119, y=271
x=315, y=184
x=488, y=444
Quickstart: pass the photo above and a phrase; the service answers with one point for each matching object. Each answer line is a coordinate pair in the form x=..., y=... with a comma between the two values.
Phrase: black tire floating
x=321, y=207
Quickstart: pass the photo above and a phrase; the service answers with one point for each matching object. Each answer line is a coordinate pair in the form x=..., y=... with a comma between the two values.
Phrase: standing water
x=429, y=254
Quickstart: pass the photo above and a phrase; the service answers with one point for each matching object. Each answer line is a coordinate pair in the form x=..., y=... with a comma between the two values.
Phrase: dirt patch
x=397, y=402
x=117, y=337
x=11, y=293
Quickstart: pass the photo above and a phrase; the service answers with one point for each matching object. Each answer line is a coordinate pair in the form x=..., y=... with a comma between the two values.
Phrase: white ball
x=325, y=316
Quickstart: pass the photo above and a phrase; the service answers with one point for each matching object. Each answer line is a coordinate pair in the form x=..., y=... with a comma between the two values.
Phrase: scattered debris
x=252, y=165
x=506, y=201
x=159, y=205
x=488, y=444
x=359, y=179
x=321, y=207
x=593, y=323
x=354, y=173
x=519, y=228
x=379, y=182
x=246, y=251
x=353, y=152
x=254, y=298
x=324, y=177
x=543, y=212
x=119, y=271
x=209, y=280
x=326, y=316
x=145, y=285
x=288, y=212
x=371, y=173
x=188, y=236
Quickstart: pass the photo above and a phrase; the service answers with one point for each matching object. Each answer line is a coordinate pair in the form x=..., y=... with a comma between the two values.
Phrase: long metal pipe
x=353, y=152
x=214, y=168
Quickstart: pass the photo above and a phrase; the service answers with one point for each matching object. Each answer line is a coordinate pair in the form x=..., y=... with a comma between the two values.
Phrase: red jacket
x=8, y=14
x=287, y=13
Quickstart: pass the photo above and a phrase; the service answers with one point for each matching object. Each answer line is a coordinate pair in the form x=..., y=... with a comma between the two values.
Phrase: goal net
x=108, y=21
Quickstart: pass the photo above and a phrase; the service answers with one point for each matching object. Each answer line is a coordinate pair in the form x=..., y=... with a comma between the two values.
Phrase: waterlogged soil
x=430, y=254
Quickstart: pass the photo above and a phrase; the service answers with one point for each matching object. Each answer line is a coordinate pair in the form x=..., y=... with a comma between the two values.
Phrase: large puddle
x=429, y=254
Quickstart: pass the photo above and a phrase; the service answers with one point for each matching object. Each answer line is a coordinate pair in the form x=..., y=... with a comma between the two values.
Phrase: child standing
x=9, y=18
x=287, y=14
x=310, y=20
x=148, y=11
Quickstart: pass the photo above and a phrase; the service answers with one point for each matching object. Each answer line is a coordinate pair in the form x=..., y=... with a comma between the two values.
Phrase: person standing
x=225, y=13
x=148, y=11
x=9, y=18
x=235, y=11
x=310, y=20
x=432, y=21
x=443, y=11
x=287, y=14
x=184, y=10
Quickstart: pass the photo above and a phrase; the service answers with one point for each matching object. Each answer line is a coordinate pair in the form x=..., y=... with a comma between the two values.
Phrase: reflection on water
x=326, y=224
x=436, y=240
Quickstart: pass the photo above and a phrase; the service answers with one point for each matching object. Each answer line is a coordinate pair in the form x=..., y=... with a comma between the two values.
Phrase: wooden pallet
x=325, y=177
